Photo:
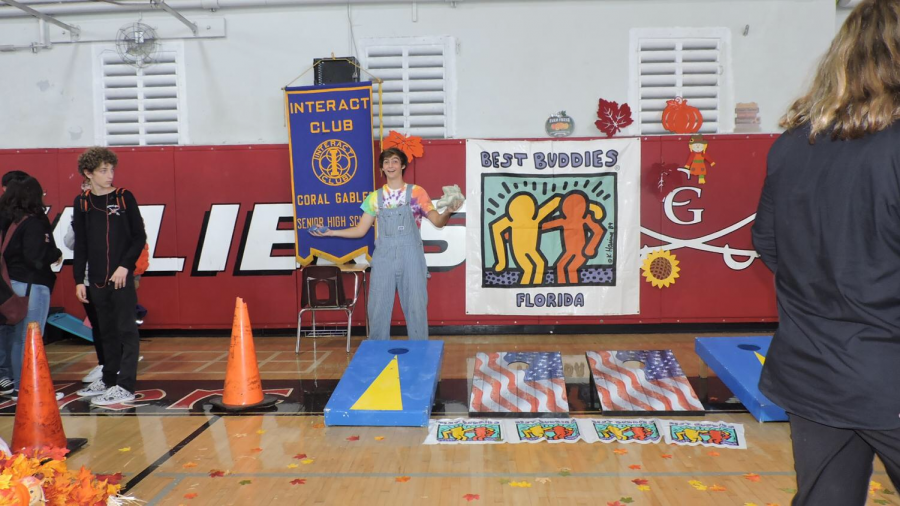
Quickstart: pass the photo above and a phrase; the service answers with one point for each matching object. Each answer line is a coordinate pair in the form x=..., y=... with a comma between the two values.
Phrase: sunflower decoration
x=660, y=268
x=411, y=145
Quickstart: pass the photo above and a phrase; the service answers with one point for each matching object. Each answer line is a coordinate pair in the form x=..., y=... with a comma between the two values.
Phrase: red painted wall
x=189, y=180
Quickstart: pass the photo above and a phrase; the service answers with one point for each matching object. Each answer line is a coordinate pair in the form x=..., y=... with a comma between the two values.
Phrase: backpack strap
x=85, y=195
x=120, y=197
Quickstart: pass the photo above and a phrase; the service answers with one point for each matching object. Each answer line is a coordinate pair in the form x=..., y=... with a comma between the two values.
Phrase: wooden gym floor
x=192, y=456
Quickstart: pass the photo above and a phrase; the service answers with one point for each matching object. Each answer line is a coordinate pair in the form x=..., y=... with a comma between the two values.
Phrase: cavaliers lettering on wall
x=220, y=224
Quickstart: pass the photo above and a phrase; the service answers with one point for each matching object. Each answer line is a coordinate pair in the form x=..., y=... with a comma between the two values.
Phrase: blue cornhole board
x=734, y=361
x=419, y=366
x=71, y=325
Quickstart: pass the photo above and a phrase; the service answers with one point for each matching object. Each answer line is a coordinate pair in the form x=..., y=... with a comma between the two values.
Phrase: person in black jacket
x=109, y=234
x=29, y=254
x=828, y=226
x=7, y=386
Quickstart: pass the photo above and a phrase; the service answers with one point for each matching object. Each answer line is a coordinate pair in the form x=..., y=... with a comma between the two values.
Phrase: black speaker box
x=336, y=70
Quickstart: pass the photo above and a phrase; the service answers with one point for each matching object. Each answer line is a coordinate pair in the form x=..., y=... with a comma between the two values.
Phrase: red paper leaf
x=298, y=481
x=215, y=473
x=614, y=503
x=613, y=118
x=300, y=456
x=634, y=466
x=353, y=438
x=112, y=479
x=471, y=497
x=639, y=481
x=190, y=495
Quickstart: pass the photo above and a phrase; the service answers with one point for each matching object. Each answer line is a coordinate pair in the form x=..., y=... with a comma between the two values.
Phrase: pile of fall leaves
x=61, y=486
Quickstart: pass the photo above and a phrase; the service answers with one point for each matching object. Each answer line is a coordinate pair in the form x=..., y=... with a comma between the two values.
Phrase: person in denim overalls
x=398, y=263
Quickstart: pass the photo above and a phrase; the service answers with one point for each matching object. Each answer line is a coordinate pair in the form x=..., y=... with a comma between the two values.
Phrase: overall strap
x=379, y=200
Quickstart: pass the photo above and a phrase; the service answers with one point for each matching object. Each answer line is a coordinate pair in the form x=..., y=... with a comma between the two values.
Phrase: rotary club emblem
x=334, y=162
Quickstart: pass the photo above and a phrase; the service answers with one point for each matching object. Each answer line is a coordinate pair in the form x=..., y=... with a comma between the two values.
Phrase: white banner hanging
x=553, y=227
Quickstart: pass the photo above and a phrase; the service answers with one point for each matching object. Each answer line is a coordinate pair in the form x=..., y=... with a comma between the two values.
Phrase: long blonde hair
x=857, y=86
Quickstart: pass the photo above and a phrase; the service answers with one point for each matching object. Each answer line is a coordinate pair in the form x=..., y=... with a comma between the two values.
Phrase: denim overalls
x=398, y=265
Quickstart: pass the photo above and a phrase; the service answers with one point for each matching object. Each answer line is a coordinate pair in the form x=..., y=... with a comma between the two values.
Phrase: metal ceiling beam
x=162, y=5
x=40, y=15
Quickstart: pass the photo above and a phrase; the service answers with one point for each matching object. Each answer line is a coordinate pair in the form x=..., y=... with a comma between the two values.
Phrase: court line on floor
x=169, y=454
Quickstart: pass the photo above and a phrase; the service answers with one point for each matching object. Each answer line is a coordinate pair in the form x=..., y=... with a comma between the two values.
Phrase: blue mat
x=737, y=362
x=388, y=384
x=70, y=324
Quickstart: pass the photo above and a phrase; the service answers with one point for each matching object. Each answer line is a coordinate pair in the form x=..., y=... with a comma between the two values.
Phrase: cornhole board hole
x=388, y=384
x=642, y=381
x=517, y=384
x=70, y=324
x=738, y=362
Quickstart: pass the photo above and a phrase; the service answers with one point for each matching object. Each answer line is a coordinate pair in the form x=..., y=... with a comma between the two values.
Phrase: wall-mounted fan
x=137, y=44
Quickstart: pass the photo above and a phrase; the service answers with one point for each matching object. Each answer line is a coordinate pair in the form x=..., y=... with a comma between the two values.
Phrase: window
x=419, y=83
x=693, y=63
x=140, y=106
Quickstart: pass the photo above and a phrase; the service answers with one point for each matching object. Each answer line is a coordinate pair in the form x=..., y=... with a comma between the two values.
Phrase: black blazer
x=828, y=226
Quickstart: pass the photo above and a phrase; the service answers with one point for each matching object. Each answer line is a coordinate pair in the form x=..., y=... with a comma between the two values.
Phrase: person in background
x=828, y=226
x=109, y=234
x=29, y=254
x=7, y=386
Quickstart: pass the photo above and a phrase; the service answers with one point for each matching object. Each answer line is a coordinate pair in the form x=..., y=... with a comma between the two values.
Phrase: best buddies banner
x=553, y=227
x=332, y=166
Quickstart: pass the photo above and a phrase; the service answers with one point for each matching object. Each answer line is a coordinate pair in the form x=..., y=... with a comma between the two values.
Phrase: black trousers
x=121, y=343
x=834, y=466
x=91, y=313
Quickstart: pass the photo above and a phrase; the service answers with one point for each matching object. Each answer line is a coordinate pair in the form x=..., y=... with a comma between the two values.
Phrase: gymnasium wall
x=517, y=62
x=219, y=222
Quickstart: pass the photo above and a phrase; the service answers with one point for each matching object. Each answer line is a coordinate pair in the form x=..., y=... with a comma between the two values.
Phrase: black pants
x=91, y=313
x=115, y=310
x=834, y=466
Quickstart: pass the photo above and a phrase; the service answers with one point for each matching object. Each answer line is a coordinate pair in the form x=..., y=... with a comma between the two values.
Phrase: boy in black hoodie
x=109, y=234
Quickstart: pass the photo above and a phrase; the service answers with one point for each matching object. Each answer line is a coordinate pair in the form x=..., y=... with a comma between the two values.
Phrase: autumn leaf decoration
x=411, y=145
x=612, y=117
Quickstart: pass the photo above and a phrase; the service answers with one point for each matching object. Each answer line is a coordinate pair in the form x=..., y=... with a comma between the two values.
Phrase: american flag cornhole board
x=499, y=386
x=658, y=385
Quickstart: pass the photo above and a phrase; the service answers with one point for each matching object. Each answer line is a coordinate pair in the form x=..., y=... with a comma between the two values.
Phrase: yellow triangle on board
x=383, y=394
x=762, y=359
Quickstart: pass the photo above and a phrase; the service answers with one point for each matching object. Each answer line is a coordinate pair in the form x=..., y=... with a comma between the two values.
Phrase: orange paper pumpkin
x=680, y=118
x=411, y=145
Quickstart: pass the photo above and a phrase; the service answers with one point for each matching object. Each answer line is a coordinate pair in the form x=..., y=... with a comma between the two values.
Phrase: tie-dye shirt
x=421, y=202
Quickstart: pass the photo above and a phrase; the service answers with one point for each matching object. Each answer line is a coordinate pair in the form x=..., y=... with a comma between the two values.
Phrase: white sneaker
x=95, y=374
x=115, y=395
x=94, y=389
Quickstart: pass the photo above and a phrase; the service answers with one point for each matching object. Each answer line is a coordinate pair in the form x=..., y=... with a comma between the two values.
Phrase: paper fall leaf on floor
x=353, y=438
x=665, y=456
x=244, y=482
x=639, y=481
x=298, y=481
x=520, y=484
x=717, y=488
x=300, y=456
x=126, y=449
x=190, y=495
x=634, y=466
x=188, y=465
x=293, y=466
x=402, y=479
x=471, y=497
x=620, y=451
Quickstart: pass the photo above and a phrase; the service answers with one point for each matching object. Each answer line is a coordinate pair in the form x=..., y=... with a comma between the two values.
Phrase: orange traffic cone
x=38, y=424
x=243, y=388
